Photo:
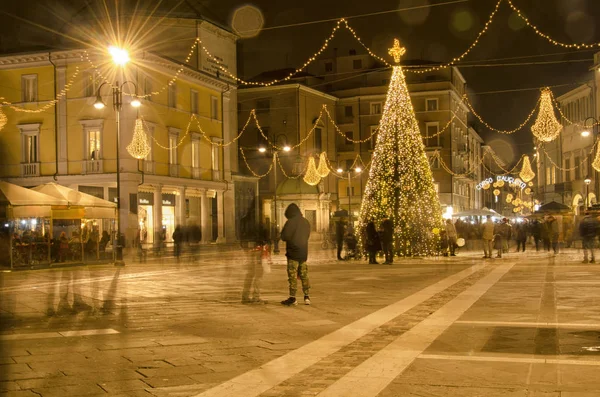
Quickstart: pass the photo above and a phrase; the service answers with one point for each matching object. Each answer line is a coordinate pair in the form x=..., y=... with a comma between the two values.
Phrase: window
x=376, y=108
x=94, y=145
x=216, y=159
x=318, y=140
x=214, y=108
x=89, y=84
x=30, y=151
x=172, y=96
x=349, y=191
x=373, y=136
x=196, y=151
x=173, y=148
x=553, y=174
x=29, y=88
x=348, y=111
x=148, y=88
x=548, y=177
x=578, y=169
x=92, y=139
x=436, y=187
x=328, y=66
x=349, y=164
x=357, y=64
x=194, y=101
x=432, y=134
x=352, y=52
x=263, y=106
x=431, y=104
x=567, y=170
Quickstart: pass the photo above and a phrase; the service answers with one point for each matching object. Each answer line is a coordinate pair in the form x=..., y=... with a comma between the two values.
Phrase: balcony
x=196, y=172
x=563, y=187
x=174, y=170
x=30, y=169
x=92, y=167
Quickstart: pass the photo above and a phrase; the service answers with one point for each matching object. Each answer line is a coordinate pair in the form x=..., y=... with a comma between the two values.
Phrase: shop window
x=29, y=88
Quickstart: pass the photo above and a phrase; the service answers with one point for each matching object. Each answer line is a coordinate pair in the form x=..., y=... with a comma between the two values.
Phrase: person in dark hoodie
x=295, y=233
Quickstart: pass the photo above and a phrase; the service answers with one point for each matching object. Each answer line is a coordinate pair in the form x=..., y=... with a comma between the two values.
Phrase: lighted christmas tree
x=400, y=185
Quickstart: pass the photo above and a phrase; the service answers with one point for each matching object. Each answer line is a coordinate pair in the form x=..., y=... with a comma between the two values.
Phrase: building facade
x=292, y=115
x=187, y=176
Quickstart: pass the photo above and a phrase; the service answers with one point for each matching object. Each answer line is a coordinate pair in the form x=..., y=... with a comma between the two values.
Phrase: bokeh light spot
x=247, y=21
x=462, y=21
x=515, y=22
x=414, y=17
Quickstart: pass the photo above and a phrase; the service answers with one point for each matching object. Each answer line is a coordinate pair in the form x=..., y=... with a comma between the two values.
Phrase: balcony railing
x=92, y=167
x=174, y=170
x=30, y=169
x=196, y=172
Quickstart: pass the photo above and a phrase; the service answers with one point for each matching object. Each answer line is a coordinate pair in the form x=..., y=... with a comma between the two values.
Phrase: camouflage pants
x=297, y=269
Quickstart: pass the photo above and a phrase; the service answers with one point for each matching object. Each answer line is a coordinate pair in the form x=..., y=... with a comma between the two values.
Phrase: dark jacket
x=588, y=227
x=373, y=241
x=295, y=233
x=387, y=235
x=340, y=231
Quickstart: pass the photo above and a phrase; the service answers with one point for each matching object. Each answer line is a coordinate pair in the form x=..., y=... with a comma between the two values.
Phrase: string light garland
x=139, y=147
x=575, y=166
x=47, y=106
x=181, y=141
x=288, y=175
x=507, y=132
x=250, y=168
x=312, y=176
x=546, y=128
x=526, y=173
x=596, y=162
x=547, y=37
x=562, y=115
x=323, y=169
x=400, y=183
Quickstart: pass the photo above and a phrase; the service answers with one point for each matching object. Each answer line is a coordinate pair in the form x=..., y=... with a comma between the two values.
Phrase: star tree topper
x=396, y=51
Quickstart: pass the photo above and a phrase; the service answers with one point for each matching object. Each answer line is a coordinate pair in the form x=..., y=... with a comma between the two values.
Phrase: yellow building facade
x=55, y=133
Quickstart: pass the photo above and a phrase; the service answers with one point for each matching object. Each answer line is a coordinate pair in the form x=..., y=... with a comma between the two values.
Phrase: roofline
x=576, y=90
x=287, y=86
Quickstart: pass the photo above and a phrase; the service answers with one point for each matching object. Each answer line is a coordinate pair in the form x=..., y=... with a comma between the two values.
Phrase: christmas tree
x=400, y=185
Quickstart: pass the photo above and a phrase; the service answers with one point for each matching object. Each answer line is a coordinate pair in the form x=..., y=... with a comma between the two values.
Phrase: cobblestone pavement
x=524, y=325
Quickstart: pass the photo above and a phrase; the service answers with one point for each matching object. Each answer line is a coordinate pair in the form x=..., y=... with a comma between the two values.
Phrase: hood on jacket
x=292, y=211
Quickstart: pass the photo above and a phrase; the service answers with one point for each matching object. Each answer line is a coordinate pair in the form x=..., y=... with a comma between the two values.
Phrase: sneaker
x=291, y=301
x=306, y=300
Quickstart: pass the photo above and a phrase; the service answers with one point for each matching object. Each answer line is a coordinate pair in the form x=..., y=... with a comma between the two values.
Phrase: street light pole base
x=119, y=262
x=119, y=256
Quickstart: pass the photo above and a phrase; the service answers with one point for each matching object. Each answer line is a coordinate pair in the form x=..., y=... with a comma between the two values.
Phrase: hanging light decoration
x=323, y=169
x=496, y=192
x=139, y=147
x=3, y=119
x=526, y=173
x=312, y=175
x=546, y=127
x=596, y=162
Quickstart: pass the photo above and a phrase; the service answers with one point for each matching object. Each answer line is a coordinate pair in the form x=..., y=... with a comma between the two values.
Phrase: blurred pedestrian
x=553, y=233
x=521, y=235
x=387, y=240
x=259, y=263
x=451, y=236
x=536, y=232
x=373, y=243
x=177, y=240
x=588, y=228
x=295, y=233
x=340, y=231
x=487, y=234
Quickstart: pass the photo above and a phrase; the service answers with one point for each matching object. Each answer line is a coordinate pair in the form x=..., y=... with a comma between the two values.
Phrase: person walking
x=545, y=235
x=387, y=240
x=177, y=240
x=373, y=242
x=295, y=233
x=487, y=234
x=340, y=231
x=451, y=236
x=501, y=232
x=521, y=235
x=552, y=226
x=588, y=228
x=536, y=232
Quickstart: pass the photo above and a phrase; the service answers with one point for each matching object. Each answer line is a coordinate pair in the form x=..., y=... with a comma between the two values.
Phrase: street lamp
x=340, y=171
x=275, y=150
x=120, y=58
x=585, y=133
x=587, y=181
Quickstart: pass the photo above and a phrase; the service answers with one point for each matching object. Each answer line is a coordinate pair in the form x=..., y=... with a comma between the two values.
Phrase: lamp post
x=587, y=181
x=585, y=133
x=120, y=59
x=349, y=173
x=275, y=151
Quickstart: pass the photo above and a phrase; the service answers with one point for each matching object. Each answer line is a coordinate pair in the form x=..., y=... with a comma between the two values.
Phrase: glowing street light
x=262, y=149
x=358, y=169
x=585, y=133
x=99, y=104
x=120, y=56
x=286, y=148
x=135, y=102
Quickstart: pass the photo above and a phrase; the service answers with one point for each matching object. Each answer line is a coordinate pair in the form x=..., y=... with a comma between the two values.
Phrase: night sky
x=436, y=33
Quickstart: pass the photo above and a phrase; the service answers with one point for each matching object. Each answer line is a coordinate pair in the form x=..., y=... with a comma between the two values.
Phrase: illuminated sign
x=508, y=179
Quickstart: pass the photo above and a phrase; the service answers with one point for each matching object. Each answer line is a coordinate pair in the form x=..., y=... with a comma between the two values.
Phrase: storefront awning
x=81, y=205
x=26, y=203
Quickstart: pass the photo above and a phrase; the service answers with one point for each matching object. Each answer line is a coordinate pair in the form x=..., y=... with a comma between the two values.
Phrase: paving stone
x=162, y=381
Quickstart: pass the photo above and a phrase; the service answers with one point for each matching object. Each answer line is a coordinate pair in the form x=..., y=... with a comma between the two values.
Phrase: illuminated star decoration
x=396, y=51
x=400, y=183
x=546, y=127
x=139, y=147
x=526, y=173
